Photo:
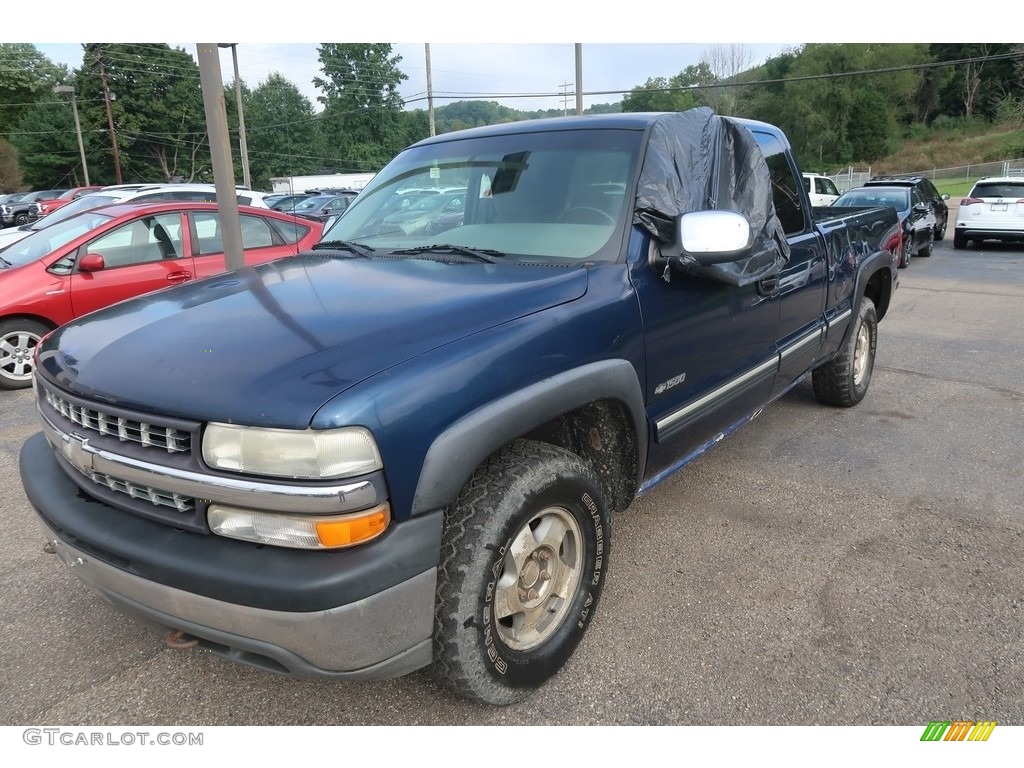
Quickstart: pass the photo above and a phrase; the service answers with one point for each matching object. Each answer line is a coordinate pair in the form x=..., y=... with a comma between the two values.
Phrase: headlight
x=310, y=454
x=299, y=531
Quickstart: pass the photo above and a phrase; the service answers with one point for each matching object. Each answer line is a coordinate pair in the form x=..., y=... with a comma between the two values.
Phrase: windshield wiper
x=344, y=245
x=480, y=254
x=6, y=262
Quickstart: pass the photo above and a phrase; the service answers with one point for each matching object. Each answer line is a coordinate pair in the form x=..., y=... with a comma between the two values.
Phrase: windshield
x=899, y=199
x=86, y=203
x=39, y=244
x=552, y=196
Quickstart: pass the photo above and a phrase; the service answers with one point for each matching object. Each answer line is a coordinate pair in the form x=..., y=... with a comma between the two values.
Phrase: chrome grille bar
x=152, y=495
x=126, y=430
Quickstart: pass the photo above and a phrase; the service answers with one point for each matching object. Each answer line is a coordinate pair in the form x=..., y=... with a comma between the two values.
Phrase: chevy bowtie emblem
x=75, y=450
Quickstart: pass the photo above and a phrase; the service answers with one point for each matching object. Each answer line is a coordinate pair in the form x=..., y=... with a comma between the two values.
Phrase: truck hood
x=268, y=345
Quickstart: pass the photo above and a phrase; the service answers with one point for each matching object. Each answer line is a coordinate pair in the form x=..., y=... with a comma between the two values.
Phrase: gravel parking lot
x=821, y=566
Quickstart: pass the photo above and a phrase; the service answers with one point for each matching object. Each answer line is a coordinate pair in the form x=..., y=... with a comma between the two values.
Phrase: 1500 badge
x=666, y=385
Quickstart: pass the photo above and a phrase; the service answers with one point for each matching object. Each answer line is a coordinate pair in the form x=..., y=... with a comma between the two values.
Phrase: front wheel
x=18, y=340
x=522, y=566
x=844, y=380
x=21, y=219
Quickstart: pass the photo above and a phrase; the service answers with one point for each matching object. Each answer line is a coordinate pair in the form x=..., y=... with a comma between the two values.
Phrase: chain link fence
x=855, y=177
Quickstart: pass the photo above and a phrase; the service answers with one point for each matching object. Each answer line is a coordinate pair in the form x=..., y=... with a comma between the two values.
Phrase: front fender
x=462, y=447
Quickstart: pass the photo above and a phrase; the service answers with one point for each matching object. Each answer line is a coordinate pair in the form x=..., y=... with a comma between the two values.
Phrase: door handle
x=768, y=286
x=178, y=277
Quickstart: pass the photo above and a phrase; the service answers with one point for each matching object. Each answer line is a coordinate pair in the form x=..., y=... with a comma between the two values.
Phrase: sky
x=496, y=71
x=478, y=49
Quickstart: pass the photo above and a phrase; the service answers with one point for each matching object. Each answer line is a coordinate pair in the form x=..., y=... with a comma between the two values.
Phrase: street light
x=78, y=126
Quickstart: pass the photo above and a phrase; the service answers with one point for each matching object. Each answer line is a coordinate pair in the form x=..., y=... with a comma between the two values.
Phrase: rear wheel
x=522, y=567
x=959, y=241
x=940, y=229
x=18, y=340
x=926, y=249
x=844, y=380
x=21, y=219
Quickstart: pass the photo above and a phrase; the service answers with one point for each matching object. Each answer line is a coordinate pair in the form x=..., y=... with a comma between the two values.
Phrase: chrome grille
x=125, y=430
x=154, y=496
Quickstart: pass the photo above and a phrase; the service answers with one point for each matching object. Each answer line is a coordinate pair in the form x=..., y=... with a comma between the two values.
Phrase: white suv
x=821, y=189
x=994, y=210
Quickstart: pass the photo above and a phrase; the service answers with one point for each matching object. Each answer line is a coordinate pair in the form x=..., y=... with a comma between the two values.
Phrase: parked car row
x=922, y=210
x=69, y=264
x=15, y=210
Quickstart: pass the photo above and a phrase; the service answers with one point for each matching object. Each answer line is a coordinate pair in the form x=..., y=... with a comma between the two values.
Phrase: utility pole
x=78, y=126
x=98, y=50
x=579, y=78
x=565, y=99
x=220, y=152
x=243, y=148
x=430, y=91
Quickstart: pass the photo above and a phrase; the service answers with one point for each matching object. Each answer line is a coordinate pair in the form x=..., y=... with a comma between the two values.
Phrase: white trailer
x=298, y=184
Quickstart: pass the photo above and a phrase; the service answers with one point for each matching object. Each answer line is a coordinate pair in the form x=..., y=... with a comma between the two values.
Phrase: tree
x=281, y=131
x=362, y=119
x=157, y=106
x=657, y=95
x=10, y=177
x=978, y=84
x=726, y=63
x=48, y=147
x=27, y=77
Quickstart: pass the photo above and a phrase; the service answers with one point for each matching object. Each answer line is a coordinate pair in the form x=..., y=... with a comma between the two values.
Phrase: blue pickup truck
x=408, y=447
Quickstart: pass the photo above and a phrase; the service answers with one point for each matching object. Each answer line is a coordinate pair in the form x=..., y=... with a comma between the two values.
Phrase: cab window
x=785, y=188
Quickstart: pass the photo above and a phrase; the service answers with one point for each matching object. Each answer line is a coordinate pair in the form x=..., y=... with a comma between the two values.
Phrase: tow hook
x=179, y=640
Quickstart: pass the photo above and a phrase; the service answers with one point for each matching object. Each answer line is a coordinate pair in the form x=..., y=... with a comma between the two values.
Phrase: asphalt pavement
x=821, y=566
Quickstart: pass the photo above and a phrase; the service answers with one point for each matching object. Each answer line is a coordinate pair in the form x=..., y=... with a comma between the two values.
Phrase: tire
x=522, y=566
x=904, y=254
x=926, y=251
x=959, y=241
x=940, y=230
x=18, y=339
x=844, y=380
x=21, y=219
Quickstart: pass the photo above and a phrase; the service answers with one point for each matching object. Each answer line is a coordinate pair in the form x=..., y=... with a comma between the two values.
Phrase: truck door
x=710, y=357
x=801, y=288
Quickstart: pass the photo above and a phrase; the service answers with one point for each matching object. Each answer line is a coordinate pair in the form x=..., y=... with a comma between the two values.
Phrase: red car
x=43, y=207
x=109, y=254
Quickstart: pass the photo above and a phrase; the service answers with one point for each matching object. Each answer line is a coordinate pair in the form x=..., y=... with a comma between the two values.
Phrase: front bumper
x=365, y=613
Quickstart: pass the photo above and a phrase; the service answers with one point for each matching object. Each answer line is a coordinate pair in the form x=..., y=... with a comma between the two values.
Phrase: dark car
x=429, y=214
x=286, y=202
x=936, y=201
x=916, y=215
x=17, y=211
x=320, y=207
